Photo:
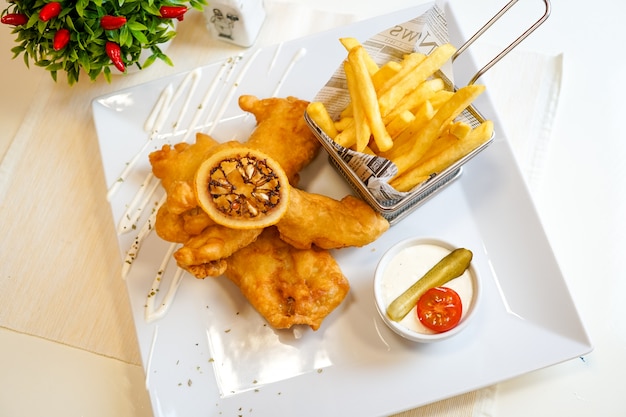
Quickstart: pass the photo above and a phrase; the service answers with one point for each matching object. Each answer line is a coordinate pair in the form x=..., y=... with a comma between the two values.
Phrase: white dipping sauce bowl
x=405, y=263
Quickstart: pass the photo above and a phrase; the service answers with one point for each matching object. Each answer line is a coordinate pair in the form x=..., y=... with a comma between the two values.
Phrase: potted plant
x=93, y=36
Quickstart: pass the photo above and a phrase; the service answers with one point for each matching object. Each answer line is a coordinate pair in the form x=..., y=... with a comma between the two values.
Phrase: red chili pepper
x=49, y=11
x=173, y=12
x=15, y=19
x=114, y=52
x=61, y=38
x=112, y=22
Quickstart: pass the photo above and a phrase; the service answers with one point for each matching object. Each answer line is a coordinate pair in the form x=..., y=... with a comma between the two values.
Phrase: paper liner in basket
x=421, y=34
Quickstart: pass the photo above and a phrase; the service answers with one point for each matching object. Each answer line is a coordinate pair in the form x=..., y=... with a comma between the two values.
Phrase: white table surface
x=581, y=201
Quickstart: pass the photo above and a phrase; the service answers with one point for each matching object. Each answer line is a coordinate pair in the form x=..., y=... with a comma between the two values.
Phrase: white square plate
x=211, y=354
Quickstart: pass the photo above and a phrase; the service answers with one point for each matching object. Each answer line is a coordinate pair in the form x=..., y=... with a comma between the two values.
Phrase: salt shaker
x=235, y=21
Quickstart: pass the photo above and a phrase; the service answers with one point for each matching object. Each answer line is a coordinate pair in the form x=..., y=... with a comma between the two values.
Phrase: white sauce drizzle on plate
x=298, y=55
x=151, y=355
x=145, y=230
x=152, y=313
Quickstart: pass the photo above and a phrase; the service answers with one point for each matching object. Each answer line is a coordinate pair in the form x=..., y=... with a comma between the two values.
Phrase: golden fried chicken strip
x=282, y=132
x=314, y=219
x=286, y=285
x=200, y=254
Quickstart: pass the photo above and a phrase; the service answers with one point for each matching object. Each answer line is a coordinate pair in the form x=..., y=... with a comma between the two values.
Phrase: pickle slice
x=451, y=266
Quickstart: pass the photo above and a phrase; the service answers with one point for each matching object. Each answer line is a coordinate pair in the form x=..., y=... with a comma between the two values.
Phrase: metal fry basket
x=395, y=208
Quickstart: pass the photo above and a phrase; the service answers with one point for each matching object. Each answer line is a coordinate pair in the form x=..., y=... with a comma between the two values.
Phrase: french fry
x=460, y=129
x=343, y=123
x=381, y=76
x=347, y=137
x=442, y=143
x=407, y=182
x=461, y=99
x=385, y=73
x=317, y=111
x=399, y=123
x=413, y=100
x=362, y=129
x=408, y=64
x=406, y=81
x=440, y=97
x=443, y=159
x=368, y=99
x=349, y=43
x=404, y=141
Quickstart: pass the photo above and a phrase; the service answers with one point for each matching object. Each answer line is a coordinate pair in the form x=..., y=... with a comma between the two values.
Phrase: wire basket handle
x=506, y=50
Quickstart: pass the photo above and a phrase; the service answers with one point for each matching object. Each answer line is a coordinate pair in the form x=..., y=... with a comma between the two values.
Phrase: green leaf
x=150, y=8
x=55, y=67
x=198, y=4
x=123, y=35
x=84, y=61
x=80, y=7
x=136, y=26
x=107, y=74
x=96, y=45
x=139, y=36
x=72, y=77
x=17, y=50
x=70, y=23
x=32, y=20
x=149, y=61
x=166, y=59
x=89, y=31
x=98, y=32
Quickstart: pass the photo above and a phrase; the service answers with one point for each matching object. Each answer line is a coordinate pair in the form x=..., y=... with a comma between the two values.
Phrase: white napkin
x=524, y=88
x=477, y=403
x=287, y=21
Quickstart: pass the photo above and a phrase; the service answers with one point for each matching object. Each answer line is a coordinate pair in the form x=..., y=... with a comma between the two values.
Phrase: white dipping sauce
x=407, y=267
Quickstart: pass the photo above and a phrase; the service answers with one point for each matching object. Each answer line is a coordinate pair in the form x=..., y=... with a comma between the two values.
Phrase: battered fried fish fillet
x=282, y=132
x=176, y=167
x=209, y=269
x=205, y=254
x=180, y=162
x=195, y=221
x=170, y=226
x=286, y=285
x=180, y=228
x=314, y=219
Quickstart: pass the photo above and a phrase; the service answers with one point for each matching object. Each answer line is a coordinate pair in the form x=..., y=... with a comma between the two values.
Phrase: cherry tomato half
x=440, y=309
